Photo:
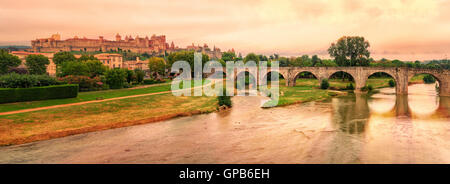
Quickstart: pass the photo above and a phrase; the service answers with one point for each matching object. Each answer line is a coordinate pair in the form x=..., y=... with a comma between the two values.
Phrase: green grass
x=87, y=96
x=58, y=122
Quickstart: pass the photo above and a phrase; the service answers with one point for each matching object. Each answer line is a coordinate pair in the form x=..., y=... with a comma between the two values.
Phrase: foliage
x=73, y=68
x=87, y=57
x=116, y=78
x=38, y=93
x=7, y=61
x=228, y=56
x=14, y=80
x=62, y=57
x=140, y=74
x=95, y=68
x=251, y=57
x=391, y=83
x=187, y=56
x=429, y=79
x=130, y=76
x=224, y=100
x=18, y=70
x=37, y=64
x=324, y=84
x=151, y=81
x=350, y=87
x=350, y=51
x=156, y=66
x=85, y=83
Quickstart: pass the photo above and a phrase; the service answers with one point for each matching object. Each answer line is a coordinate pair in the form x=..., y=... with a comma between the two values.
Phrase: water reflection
x=383, y=128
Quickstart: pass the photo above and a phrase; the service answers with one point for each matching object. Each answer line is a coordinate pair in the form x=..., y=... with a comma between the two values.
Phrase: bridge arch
x=381, y=74
x=266, y=76
x=342, y=74
x=297, y=75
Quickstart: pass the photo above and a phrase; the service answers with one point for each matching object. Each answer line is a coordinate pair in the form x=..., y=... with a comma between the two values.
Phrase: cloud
x=292, y=27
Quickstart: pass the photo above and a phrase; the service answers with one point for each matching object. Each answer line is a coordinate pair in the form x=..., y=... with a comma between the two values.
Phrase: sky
x=396, y=29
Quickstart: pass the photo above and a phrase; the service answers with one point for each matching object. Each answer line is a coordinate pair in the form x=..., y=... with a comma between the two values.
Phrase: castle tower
x=172, y=45
x=118, y=37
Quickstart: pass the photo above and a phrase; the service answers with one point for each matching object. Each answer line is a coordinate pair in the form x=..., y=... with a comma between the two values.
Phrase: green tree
x=139, y=75
x=350, y=51
x=7, y=61
x=61, y=57
x=86, y=57
x=187, y=56
x=251, y=57
x=37, y=64
x=130, y=75
x=116, y=78
x=157, y=66
x=74, y=68
x=95, y=68
x=315, y=60
x=228, y=56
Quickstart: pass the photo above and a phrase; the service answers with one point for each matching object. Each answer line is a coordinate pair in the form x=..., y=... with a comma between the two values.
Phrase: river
x=384, y=128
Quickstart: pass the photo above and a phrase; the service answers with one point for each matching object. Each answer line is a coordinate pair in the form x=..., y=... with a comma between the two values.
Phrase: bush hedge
x=151, y=81
x=14, y=80
x=8, y=95
x=85, y=83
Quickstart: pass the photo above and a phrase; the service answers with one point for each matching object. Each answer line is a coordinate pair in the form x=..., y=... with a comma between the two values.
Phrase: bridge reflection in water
x=351, y=114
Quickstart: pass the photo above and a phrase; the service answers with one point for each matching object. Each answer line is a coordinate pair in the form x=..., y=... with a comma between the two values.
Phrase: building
x=111, y=60
x=214, y=53
x=154, y=44
x=51, y=68
x=138, y=64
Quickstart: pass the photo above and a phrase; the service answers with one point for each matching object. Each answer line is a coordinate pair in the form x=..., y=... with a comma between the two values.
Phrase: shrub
x=370, y=87
x=130, y=76
x=116, y=78
x=224, y=100
x=151, y=81
x=350, y=87
x=428, y=79
x=14, y=80
x=324, y=84
x=367, y=88
x=8, y=95
x=391, y=83
x=85, y=83
x=139, y=75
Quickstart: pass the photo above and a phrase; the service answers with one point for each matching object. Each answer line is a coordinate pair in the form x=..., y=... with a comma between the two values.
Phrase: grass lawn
x=59, y=122
x=87, y=96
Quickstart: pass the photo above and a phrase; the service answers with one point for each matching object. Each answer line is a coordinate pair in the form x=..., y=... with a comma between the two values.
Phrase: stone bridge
x=401, y=75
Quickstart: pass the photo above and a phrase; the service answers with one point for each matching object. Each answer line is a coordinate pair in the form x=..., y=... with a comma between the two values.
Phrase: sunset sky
x=396, y=29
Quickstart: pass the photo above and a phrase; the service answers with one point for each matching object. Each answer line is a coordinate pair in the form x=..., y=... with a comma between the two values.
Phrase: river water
x=384, y=128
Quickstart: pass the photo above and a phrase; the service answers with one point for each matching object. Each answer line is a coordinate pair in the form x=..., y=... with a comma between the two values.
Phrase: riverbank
x=73, y=119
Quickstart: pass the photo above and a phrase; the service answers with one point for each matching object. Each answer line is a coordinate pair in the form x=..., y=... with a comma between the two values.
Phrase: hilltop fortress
x=154, y=44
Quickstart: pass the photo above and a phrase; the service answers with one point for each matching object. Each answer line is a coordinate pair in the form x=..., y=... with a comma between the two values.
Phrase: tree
x=7, y=61
x=251, y=57
x=157, y=66
x=350, y=51
x=139, y=75
x=62, y=57
x=185, y=56
x=74, y=68
x=130, y=75
x=95, y=68
x=86, y=57
x=315, y=60
x=116, y=78
x=37, y=64
x=228, y=56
